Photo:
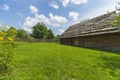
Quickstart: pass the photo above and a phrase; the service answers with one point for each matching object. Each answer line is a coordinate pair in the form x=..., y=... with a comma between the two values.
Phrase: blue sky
x=58, y=15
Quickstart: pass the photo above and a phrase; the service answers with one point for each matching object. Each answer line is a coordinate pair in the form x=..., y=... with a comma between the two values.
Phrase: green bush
x=6, y=47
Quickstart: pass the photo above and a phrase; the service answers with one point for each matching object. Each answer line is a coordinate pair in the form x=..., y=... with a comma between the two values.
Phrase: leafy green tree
x=22, y=33
x=50, y=34
x=117, y=17
x=40, y=31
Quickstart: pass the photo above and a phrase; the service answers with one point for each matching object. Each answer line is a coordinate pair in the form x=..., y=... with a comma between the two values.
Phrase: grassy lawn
x=51, y=61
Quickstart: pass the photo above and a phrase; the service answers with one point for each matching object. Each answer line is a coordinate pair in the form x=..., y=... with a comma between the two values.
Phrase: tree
x=117, y=17
x=22, y=33
x=11, y=29
x=57, y=38
x=50, y=34
x=40, y=31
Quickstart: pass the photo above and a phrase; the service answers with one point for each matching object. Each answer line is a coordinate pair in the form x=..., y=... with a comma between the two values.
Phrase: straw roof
x=95, y=26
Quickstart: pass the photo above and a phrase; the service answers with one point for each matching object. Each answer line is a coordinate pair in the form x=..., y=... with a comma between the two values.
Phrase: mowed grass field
x=51, y=61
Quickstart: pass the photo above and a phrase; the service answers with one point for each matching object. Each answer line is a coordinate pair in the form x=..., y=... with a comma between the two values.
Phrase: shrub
x=7, y=35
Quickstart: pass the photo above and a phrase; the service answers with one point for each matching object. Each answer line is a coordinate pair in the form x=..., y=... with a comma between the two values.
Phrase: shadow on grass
x=97, y=49
x=112, y=65
x=103, y=50
x=111, y=62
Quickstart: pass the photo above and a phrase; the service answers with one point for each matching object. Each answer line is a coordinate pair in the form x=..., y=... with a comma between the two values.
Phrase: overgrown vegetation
x=23, y=35
x=116, y=22
x=6, y=51
x=40, y=32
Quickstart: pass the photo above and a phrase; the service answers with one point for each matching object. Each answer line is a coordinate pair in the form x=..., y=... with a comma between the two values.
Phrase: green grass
x=51, y=61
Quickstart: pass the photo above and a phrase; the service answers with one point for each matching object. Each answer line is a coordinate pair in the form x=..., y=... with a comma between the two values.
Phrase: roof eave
x=93, y=33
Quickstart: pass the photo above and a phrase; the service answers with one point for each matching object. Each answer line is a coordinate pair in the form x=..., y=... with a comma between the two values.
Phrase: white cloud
x=78, y=2
x=61, y=31
x=56, y=20
x=54, y=5
x=65, y=2
x=5, y=7
x=0, y=24
x=73, y=15
x=75, y=2
x=97, y=11
x=52, y=20
x=33, y=9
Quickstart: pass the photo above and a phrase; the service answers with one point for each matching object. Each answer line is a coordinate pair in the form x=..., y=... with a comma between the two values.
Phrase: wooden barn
x=94, y=33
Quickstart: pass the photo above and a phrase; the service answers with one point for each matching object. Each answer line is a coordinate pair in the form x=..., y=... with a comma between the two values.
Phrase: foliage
x=39, y=31
x=50, y=61
x=22, y=35
x=50, y=34
x=116, y=22
x=57, y=38
x=7, y=35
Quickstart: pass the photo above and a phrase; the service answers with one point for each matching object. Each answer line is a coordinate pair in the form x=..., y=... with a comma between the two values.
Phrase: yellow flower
x=1, y=33
x=4, y=33
x=1, y=38
x=10, y=38
x=14, y=31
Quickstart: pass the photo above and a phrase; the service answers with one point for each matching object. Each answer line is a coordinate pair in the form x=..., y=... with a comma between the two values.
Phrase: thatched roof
x=95, y=26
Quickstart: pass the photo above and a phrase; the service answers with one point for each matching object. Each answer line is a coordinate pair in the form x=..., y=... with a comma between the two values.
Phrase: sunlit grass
x=51, y=61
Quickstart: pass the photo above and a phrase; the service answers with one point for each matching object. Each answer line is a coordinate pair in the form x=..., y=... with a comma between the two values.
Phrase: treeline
x=39, y=33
